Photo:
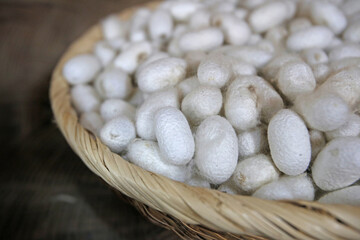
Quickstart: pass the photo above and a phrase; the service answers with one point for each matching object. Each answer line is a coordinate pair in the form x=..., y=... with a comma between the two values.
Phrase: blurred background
x=46, y=192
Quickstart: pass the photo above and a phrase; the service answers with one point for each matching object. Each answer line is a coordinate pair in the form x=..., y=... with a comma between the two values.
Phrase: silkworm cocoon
x=317, y=140
x=200, y=20
x=335, y=42
x=295, y=78
x=241, y=13
x=132, y=56
x=251, y=4
x=182, y=10
x=298, y=24
x=270, y=71
x=81, y=69
x=236, y=31
x=188, y=85
x=193, y=60
x=266, y=45
x=277, y=36
x=251, y=173
x=270, y=101
x=346, y=84
x=113, y=108
x=174, y=136
x=216, y=149
x=321, y=71
x=160, y=25
x=351, y=7
x=223, y=7
x=118, y=133
x=146, y=112
x=329, y=14
x=312, y=37
x=147, y=155
x=228, y=188
x=201, y=103
x=152, y=58
x=118, y=43
x=161, y=74
x=349, y=50
x=289, y=142
x=242, y=106
x=203, y=39
x=352, y=32
x=288, y=188
x=138, y=23
x=113, y=83
x=268, y=15
x=214, y=70
x=92, y=122
x=337, y=165
x=348, y=196
x=137, y=98
x=240, y=67
x=254, y=39
x=350, y=129
x=322, y=110
x=252, y=142
x=198, y=181
x=314, y=56
x=104, y=52
x=251, y=54
x=113, y=27
x=84, y=98
x=343, y=64
x=173, y=48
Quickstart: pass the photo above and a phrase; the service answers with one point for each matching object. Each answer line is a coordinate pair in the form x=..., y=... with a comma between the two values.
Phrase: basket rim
x=211, y=208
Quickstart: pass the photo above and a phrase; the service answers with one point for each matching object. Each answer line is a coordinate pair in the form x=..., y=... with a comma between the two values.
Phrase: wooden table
x=45, y=190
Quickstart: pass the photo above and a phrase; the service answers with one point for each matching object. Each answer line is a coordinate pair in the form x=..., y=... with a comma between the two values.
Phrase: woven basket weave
x=190, y=211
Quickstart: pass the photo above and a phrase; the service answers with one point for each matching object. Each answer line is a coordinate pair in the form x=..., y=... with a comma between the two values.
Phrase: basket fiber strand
x=190, y=211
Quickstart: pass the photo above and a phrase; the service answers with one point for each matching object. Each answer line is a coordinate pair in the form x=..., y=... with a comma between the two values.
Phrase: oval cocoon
x=174, y=135
x=289, y=142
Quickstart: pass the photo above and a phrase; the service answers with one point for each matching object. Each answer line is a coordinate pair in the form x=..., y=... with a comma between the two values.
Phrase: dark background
x=46, y=192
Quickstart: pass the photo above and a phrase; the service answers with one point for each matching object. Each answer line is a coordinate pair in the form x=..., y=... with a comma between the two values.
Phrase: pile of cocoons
x=249, y=97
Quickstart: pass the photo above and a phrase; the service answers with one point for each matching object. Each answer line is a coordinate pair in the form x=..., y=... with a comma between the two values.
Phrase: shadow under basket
x=192, y=212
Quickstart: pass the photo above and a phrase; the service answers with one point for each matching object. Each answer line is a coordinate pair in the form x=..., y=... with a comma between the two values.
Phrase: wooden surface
x=46, y=192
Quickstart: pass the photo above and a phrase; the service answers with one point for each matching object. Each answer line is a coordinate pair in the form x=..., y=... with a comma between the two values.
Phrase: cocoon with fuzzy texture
x=117, y=133
x=348, y=196
x=338, y=164
x=289, y=142
x=216, y=149
x=113, y=108
x=113, y=83
x=84, y=98
x=81, y=69
x=174, y=135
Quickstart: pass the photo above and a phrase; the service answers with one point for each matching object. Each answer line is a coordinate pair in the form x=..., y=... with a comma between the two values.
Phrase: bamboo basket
x=192, y=212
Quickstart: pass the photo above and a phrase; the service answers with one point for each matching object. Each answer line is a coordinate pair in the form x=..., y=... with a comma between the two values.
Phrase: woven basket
x=193, y=212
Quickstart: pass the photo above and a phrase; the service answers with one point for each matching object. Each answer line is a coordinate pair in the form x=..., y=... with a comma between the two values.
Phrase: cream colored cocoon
x=289, y=142
x=216, y=149
x=174, y=135
x=338, y=164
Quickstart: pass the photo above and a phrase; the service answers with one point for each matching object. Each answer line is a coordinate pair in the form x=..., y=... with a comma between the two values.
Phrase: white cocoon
x=113, y=83
x=113, y=108
x=147, y=155
x=289, y=142
x=337, y=165
x=161, y=74
x=203, y=102
x=117, y=133
x=174, y=135
x=81, y=69
x=216, y=149
x=288, y=188
x=348, y=196
x=251, y=173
